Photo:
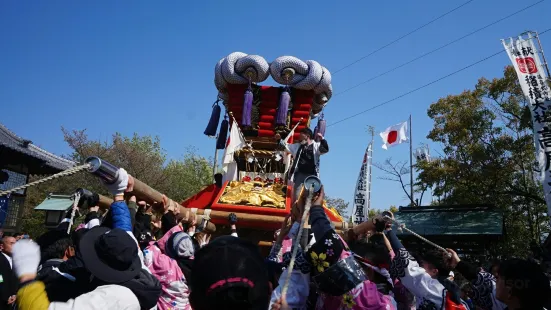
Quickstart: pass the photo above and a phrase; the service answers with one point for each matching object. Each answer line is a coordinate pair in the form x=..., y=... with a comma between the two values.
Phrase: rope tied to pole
x=76, y=199
x=64, y=173
x=403, y=227
x=296, y=241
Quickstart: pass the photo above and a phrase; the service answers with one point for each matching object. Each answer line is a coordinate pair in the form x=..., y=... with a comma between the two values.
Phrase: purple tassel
x=223, y=135
x=320, y=128
x=213, y=122
x=284, y=99
x=247, y=108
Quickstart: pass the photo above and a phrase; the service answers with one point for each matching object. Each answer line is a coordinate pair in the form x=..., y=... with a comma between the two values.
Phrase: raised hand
x=320, y=197
x=285, y=228
x=451, y=258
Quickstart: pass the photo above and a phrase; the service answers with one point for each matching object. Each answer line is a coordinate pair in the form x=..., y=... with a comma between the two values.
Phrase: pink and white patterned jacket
x=175, y=289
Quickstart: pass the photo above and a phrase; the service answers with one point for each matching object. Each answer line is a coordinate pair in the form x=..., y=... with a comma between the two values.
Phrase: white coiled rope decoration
x=240, y=68
x=308, y=75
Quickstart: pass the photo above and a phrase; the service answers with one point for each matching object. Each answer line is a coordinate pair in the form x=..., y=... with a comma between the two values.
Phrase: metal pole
x=215, y=165
x=410, y=164
x=369, y=164
x=542, y=55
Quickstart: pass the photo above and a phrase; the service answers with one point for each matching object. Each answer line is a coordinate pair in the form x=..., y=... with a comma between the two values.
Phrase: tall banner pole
x=542, y=54
x=360, y=208
x=533, y=80
x=371, y=130
x=410, y=164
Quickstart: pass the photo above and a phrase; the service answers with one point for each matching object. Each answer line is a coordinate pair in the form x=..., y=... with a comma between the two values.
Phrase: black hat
x=229, y=273
x=50, y=237
x=111, y=255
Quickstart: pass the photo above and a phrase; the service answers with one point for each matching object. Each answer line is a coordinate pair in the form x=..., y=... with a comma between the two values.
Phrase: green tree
x=338, y=204
x=188, y=176
x=488, y=154
x=373, y=213
x=141, y=156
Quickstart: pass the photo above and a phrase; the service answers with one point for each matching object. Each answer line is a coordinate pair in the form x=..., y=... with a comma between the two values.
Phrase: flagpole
x=371, y=130
x=542, y=55
x=410, y=164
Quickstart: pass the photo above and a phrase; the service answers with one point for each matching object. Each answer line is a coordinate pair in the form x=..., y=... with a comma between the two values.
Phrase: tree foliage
x=488, y=155
x=374, y=212
x=142, y=156
x=338, y=204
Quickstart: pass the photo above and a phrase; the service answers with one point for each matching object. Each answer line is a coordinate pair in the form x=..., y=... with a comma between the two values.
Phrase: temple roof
x=15, y=143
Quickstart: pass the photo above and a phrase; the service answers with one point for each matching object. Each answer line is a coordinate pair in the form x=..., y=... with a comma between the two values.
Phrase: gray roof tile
x=16, y=143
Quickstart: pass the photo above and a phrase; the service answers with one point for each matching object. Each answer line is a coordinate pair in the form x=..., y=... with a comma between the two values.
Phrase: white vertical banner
x=422, y=154
x=360, y=211
x=532, y=78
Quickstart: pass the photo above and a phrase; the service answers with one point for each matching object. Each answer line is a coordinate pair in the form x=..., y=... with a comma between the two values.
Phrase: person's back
x=521, y=285
x=107, y=297
x=56, y=248
x=60, y=286
x=163, y=264
x=101, y=299
x=32, y=294
x=229, y=273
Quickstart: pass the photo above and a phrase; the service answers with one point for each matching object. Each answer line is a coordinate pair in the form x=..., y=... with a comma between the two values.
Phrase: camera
x=87, y=199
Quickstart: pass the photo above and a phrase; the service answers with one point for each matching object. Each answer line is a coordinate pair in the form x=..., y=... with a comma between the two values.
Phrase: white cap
x=452, y=274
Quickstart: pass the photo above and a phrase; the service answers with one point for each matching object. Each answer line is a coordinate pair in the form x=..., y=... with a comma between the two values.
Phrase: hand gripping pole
x=109, y=173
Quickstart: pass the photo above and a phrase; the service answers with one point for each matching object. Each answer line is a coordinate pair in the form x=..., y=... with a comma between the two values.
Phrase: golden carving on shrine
x=254, y=194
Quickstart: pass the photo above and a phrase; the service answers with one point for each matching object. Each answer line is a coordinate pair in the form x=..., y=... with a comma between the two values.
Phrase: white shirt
x=9, y=259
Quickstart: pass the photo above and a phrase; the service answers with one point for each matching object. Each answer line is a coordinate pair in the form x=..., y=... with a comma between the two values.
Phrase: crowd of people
x=128, y=258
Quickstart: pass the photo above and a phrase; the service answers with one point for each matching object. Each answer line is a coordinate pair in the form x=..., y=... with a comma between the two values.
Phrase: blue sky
x=147, y=67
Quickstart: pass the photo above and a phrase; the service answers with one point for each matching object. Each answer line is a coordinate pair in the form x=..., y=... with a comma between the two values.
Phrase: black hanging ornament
x=214, y=119
x=223, y=135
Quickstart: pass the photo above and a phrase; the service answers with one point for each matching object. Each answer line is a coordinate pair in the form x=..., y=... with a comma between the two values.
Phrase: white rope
x=67, y=172
x=206, y=214
x=206, y=218
x=345, y=225
x=403, y=226
x=296, y=241
x=76, y=198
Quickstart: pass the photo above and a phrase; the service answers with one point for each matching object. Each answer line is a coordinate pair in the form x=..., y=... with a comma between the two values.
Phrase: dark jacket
x=60, y=285
x=146, y=288
x=8, y=282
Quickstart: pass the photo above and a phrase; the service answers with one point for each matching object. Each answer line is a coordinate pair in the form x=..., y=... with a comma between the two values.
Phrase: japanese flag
x=395, y=135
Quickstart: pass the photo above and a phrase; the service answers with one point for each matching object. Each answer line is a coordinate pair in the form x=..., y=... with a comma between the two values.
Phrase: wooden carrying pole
x=148, y=194
x=144, y=192
x=105, y=202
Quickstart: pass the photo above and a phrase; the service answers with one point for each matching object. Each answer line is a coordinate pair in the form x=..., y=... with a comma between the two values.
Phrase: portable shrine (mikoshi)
x=245, y=119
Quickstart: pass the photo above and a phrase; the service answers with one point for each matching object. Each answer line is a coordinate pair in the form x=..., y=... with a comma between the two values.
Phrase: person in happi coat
x=306, y=154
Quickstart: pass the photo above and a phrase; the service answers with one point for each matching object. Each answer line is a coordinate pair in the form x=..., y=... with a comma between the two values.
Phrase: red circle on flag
x=392, y=137
x=527, y=65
